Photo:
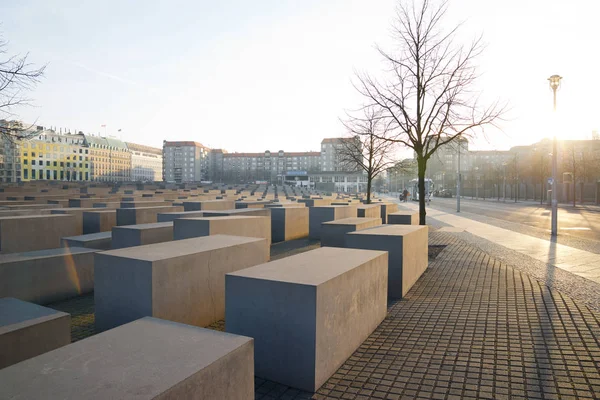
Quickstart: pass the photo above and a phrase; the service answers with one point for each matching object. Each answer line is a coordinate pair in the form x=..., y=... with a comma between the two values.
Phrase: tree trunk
x=369, y=181
x=574, y=191
x=421, y=165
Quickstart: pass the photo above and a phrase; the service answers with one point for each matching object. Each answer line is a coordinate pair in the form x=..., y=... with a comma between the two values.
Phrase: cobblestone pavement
x=82, y=315
x=471, y=327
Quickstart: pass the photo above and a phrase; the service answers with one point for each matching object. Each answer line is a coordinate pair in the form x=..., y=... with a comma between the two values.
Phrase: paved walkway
x=575, y=261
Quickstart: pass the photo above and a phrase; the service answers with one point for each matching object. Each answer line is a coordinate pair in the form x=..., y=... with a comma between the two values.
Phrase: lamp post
x=504, y=186
x=554, y=85
x=458, y=179
x=476, y=183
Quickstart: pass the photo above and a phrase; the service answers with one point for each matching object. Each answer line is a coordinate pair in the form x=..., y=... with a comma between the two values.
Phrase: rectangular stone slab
x=407, y=247
x=182, y=281
x=404, y=218
x=257, y=212
x=309, y=312
x=142, y=215
x=208, y=205
x=369, y=211
x=46, y=276
x=75, y=212
x=146, y=359
x=289, y=223
x=142, y=234
x=333, y=233
x=28, y=330
x=248, y=226
x=320, y=214
x=387, y=208
x=99, y=221
x=34, y=232
x=172, y=216
x=98, y=241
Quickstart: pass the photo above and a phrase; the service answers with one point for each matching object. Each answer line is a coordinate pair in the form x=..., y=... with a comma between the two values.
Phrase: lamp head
x=554, y=81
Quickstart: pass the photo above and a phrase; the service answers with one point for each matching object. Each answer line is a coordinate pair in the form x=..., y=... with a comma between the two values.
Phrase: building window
x=32, y=162
x=25, y=162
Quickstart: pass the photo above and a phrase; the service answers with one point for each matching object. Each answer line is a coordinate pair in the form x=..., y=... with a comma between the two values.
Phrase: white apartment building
x=146, y=163
x=185, y=162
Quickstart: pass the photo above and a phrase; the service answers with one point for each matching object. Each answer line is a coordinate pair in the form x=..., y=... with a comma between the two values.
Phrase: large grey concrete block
x=407, y=247
x=369, y=211
x=333, y=233
x=315, y=202
x=98, y=241
x=387, y=208
x=403, y=218
x=99, y=221
x=144, y=203
x=320, y=214
x=142, y=234
x=255, y=212
x=252, y=204
x=142, y=215
x=289, y=223
x=34, y=232
x=146, y=359
x=46, y=276
x=309, y=312
x=248, y=226
x=28, y=330
x=172, y=216
x=77, y=213
x=204, y=205
x=182, y=281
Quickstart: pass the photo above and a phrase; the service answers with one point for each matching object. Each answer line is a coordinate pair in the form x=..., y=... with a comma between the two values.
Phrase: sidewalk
x=579, y=262
x=470, y=328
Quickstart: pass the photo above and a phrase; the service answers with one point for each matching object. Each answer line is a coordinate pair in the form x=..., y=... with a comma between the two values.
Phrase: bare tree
x=428, y=93
x=17, y=78
x=367, y=148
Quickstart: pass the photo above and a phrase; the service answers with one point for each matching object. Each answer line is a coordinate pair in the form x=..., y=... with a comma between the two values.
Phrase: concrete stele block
x=289, y=223
x=34, y=232
x=142, y=234
x=369, y=211
x=46, y=276
x=309, y=312
x=182, y=280
x=172, y=216
x=75, y=212
x=407, y=246
x=333, y=233
x=387, y=208
x=403, y=218
x=142, y=215
x=98, y=241
x=208, y=205
x=28, y=330
x=146, y=359
x=99, y=221
x=320, y=214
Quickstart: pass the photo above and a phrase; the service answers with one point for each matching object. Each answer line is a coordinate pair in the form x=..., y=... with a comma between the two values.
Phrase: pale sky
x=276, y=74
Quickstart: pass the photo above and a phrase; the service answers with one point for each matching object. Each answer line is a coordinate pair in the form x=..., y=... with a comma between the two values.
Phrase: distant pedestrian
x=405, y=193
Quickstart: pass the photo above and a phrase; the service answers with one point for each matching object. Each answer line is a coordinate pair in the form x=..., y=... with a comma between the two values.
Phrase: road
x=577, y=227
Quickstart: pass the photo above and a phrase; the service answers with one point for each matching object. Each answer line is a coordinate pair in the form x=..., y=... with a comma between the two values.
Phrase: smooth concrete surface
x=142, y=234
x=403, y=217
x=182, y=280
x=28, y=330
x=98, y=241
x=99, y=221
x=144, y=203
x=289, y=223
x=320, y=214
x=75, y=212
x=204, y=205
x=34, y=232
x=252, y=204
x=315, y=202
x=142, y=215
x=46, y=276
x=309, y=312
x=146, y=359
x=407, y=246
x=369, y=211
x=242, y=225
x=387, y=208
x=172, y=216
x=333, y=233
x=256, y=212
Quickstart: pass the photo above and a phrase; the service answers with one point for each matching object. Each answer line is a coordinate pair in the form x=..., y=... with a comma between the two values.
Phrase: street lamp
x=476, y=183
x=504, y=188
x=554, y=85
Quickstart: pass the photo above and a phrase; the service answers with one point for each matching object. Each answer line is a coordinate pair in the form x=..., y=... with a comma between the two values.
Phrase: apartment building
x=146, y=163
x=54, y=156
x=185, y=162
x=110, y=159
